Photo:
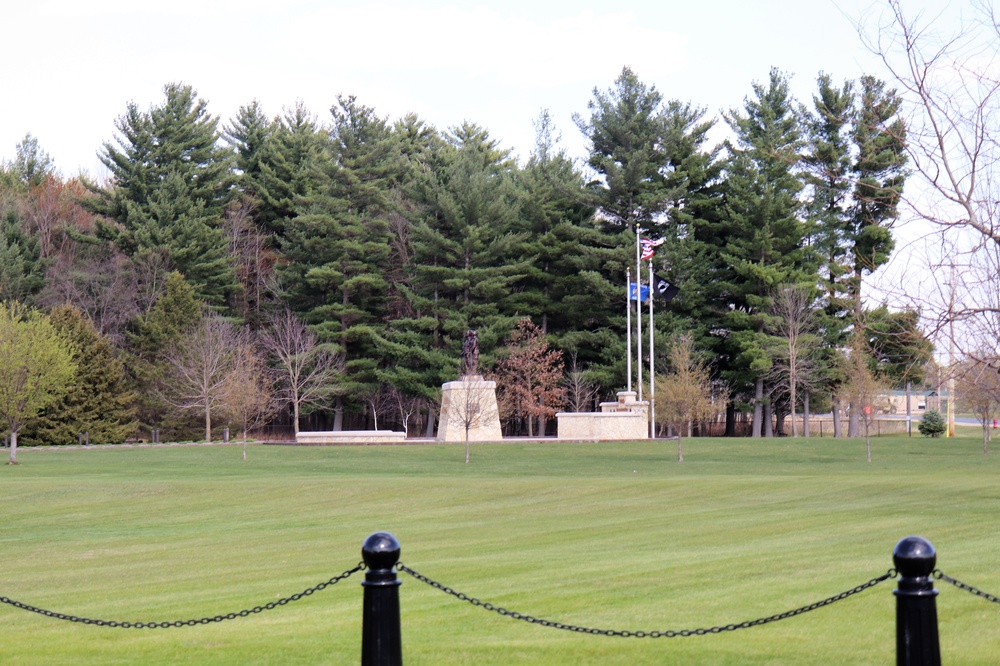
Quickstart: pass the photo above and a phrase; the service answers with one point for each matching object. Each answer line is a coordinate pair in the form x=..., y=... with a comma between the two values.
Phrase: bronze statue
x=470, y=354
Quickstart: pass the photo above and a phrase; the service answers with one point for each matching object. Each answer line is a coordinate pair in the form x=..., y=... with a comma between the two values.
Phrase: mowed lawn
x=612, y=535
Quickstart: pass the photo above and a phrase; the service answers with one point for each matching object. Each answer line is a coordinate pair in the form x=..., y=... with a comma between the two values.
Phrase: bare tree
x=793, y=327
x=686, y=393
x=253, y=261
x=308, y=370
x=951, y=84
x=248, y=393
x=978, y=384
x=200, y=368
x=406, y=404
x=863, y=388
x=580, y=394
x=473, y=406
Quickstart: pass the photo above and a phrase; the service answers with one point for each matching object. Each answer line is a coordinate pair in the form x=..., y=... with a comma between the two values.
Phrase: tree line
x=327, y=270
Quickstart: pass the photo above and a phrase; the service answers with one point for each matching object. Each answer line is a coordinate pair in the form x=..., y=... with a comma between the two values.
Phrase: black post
x=916, y=608
x=381, y=638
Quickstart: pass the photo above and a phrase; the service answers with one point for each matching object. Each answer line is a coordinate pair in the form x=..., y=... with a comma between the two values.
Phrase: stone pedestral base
x=469, y=403
x=626, y=419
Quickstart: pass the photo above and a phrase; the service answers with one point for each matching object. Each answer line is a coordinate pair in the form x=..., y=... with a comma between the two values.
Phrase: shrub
x=932, y=424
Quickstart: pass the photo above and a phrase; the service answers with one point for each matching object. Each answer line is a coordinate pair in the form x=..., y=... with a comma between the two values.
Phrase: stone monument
x=469, y=406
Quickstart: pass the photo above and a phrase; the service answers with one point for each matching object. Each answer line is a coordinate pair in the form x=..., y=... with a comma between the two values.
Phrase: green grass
x=614, y=536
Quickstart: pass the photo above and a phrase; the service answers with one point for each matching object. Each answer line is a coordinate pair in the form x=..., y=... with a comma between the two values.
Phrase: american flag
x=649, y=248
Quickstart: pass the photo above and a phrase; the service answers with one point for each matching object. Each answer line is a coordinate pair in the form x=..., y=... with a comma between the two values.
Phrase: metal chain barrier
x=891, y=573
x=940, y=575
x=185, y=623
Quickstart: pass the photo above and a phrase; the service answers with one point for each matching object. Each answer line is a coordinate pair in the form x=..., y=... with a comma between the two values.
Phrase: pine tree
x=175, y=313
x=286, y=168
x=249, y=134
x=98, y=401
x=567, y=289
x=468, y=241
x=932, y=424
x=761, y=238
x=170, y=180
x=338, y=246
x=22, y=269
x=855, y=166
x=625, y=130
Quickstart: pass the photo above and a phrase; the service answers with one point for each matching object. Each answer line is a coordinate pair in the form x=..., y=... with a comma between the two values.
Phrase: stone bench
x=320, y=437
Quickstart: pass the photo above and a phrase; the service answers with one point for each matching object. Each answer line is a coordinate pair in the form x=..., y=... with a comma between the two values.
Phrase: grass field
x=615, y=536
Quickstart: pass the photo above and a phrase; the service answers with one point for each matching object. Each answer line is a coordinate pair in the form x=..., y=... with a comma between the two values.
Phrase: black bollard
x=381, y=638
x=916, y=607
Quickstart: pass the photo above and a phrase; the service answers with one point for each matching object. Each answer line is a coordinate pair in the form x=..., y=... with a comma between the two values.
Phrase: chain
x=940, y=575
x=646, y=634
x=186, y=623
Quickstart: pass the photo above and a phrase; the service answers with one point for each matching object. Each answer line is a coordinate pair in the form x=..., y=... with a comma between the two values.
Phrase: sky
x=71, y=67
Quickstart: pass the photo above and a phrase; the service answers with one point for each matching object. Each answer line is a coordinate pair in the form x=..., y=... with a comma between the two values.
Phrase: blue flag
x=643, y=292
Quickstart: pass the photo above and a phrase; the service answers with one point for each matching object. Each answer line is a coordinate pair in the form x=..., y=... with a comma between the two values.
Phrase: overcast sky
x=70, y=67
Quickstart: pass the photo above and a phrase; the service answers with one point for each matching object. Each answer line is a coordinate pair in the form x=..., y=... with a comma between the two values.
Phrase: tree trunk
x=295, y=416
x=758, y=406
x=854, y=420
x=13, y=447
x=429, y=431
x=837, y=434
x=208, y=422
x=338, y=415
x=805, y=415
x=680, y=448
x=795, y=423
x=466, y=445
x=768, y=420
x=730, y=420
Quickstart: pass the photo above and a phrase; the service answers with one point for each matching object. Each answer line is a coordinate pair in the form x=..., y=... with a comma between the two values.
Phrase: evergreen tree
x=469, y=253
x=31, y=164
x=284, y=168
x=175, y=314
x=761, y=238
x=879, y=174
x=170, y=181
x=97, y=401
x=828, y=174
x=932, y=424
x=22, y=269
x=855, y=165
x=337, y=247
x=567, y=289
x=625, y=130
x=689, y=226
x=249, y=134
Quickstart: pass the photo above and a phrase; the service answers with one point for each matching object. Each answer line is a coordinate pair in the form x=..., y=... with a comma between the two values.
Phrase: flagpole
x=628, y=325
x=652, y=375
x=638, y=311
